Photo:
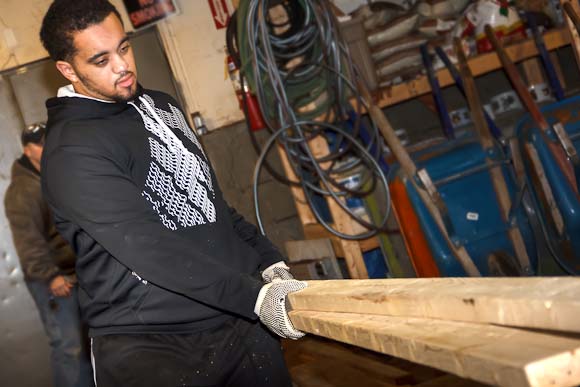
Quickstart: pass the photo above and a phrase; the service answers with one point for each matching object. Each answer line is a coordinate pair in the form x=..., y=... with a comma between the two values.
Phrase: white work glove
x=277, y=271
x=271, y=307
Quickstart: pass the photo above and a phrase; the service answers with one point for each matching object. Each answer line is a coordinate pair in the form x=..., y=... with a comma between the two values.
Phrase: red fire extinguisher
x=252, y=106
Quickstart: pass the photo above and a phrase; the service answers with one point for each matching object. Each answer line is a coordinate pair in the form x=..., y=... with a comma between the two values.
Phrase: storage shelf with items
x=479, y=65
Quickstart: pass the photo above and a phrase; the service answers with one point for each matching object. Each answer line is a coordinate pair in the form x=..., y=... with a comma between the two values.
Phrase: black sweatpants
x=236, y=354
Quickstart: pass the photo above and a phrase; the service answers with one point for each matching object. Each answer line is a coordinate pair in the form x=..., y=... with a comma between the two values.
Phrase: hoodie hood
x=70, y=106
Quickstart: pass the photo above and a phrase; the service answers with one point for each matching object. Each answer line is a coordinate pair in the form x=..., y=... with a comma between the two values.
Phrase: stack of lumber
x=499, y=331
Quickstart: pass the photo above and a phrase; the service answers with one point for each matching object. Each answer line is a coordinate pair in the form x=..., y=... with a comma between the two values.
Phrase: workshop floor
x=318, y=362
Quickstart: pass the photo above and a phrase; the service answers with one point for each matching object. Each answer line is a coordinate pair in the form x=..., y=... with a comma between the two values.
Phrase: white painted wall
x=20, y=22
x=193, y=45
x=196, y=51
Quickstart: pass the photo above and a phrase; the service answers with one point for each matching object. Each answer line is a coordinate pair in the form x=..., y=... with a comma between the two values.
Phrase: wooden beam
x=486, y=353
x=478, y=65
x=341, y=220
x=551, y=303
x=429, y=195
x=304, y=212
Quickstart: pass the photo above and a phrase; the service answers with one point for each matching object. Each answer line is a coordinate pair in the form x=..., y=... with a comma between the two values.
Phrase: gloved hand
x=277, y=271
x=271, y=307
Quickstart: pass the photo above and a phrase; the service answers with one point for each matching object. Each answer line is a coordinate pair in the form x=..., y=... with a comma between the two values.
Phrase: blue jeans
x=60, y=316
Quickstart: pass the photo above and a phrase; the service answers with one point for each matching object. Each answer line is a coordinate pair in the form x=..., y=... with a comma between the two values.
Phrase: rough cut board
x=487, y=353
x=546, y=303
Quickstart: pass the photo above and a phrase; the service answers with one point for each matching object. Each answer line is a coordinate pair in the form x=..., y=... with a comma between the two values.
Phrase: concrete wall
x=24, y=346
x=233, y=158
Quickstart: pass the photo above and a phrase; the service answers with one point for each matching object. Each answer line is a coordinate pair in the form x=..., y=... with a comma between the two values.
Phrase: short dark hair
x=64, y=18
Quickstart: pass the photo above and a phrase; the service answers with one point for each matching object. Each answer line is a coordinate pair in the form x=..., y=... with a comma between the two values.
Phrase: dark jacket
x=42, y=252
x=159, y=249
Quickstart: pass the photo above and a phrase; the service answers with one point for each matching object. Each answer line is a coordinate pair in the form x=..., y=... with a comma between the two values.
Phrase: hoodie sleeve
x=88, y=188
x=26, y=213
x=250, y=234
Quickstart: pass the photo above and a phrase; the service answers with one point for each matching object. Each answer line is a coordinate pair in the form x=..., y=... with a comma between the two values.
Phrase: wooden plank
x=478, y=65
x=546, y=190
x=551, y=303
x=304, y=212
x=485, y=353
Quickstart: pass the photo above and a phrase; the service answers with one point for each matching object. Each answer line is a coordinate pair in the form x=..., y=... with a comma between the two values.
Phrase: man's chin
x=127, y=95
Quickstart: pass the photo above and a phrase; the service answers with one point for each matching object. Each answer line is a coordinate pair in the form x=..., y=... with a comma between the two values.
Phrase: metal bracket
x=426, y=181
x=566, y=143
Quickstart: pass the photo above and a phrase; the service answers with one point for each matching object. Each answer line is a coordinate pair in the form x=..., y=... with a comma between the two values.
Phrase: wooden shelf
x=479, y=65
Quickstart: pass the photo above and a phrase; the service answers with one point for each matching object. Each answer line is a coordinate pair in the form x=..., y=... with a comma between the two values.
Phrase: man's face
x=103, y=66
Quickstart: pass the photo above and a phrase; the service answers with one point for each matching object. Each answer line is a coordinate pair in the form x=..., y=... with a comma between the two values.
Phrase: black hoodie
x=158, y=249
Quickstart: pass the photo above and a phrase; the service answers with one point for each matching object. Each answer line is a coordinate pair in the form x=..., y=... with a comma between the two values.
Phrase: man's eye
x=124, y=49
x=101, y=62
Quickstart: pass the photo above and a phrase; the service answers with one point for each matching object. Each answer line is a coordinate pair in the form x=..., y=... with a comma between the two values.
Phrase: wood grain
x=535, y=302
x=489, y=354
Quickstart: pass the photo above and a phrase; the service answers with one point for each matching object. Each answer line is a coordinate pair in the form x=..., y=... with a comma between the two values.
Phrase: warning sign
x=145, y=12
x=220, y=13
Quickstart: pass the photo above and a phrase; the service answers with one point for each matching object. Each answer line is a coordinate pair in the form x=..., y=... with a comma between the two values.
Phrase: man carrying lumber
x=169, y=274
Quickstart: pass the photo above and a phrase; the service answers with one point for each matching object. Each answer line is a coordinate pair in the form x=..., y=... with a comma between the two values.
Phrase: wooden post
x=496, y=172
x=304, y=212
x=341, y=220
x=351, y=250
x=429, y=199
x=531, y=106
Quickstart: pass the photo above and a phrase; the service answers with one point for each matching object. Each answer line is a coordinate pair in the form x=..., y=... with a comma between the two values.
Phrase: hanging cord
x=304, y=78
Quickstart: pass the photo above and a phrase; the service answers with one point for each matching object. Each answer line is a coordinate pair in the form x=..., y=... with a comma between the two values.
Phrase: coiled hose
x=304, y=79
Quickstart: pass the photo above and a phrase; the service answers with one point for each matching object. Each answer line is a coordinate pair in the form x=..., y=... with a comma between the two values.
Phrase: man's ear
x=67, y=71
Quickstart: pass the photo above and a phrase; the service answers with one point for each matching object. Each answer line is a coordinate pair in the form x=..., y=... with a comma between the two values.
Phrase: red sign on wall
x=220, y=13
x=145, y=12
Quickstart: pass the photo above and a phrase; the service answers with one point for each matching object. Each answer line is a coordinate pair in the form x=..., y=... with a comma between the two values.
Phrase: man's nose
x=120, y=65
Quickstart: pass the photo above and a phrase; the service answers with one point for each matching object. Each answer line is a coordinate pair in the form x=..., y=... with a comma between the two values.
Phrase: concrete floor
x=318, y=362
